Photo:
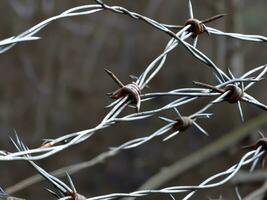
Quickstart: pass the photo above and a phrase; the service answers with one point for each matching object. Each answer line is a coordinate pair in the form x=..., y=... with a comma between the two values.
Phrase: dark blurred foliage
x=57, y=85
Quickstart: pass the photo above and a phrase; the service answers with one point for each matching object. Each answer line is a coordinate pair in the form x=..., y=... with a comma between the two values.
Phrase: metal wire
x=77, y=137
x=210, y=182
x=63, y=191
x=220, y=92
x=53, y=146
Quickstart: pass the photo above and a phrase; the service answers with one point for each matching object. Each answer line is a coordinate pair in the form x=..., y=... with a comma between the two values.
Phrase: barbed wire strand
x=248, y=158
x=83, y=135
x=220, y=91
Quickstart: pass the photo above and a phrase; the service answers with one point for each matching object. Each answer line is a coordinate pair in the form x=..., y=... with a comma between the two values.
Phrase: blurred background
x=57, y=85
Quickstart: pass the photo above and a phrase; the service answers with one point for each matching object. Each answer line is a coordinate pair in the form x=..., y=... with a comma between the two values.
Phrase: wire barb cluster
x=134, y=89
x=131, y=90
x=227, y=89
x=213, y=181
x=63, y=191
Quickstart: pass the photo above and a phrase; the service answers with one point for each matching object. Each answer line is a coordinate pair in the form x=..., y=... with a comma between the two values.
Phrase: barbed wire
x=52, y=146
x=82, y=135
x=5, y=196
x=201, y=92
x=248, y=158
x=49, y=149
x=64, y=192
x=172, y=124
x=229, y=88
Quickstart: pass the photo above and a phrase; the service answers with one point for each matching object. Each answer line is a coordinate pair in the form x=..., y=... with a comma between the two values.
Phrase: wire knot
x=235, y=93
x=183, y=123
x=197, y=27
x=131, y=90
x=262, y=142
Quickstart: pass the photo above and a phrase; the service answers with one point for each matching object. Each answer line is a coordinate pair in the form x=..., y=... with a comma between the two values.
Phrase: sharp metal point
x=195, y=42
x=261, y=134
x=230, y=73
x=177, y=112
x=190, y=7
x=71, y=183
x=166, y=119
x=205, y=21
x=240, y=111
x=114, y=77
x=200, y=128
x=170, y=136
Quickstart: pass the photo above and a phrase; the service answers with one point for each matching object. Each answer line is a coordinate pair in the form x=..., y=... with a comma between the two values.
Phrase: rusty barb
x=62, y=190
x=234, y=95
x=198, y=26
x=262, y=142
x=182, y=123
x=131, y=90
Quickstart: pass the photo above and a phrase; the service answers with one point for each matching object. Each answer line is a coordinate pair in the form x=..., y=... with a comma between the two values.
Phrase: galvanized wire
x=210, y=182
x=53, y=146
x=80, y=136
x=219, y=92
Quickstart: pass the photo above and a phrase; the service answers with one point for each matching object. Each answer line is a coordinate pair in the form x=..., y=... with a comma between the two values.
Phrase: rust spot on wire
x=183, y=123
x=71, y=195
x=131, y=90
x=198, y=26
x=46, y=145
x=235, y=93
